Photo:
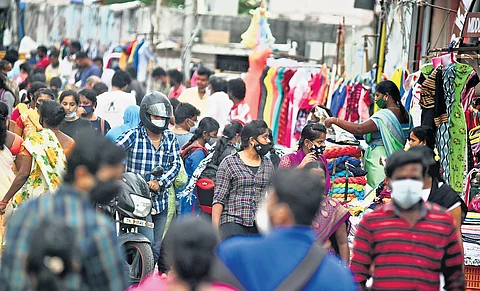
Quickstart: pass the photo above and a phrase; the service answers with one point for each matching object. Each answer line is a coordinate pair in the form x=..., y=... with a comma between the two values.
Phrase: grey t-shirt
x=183, y=138
x=8, y=97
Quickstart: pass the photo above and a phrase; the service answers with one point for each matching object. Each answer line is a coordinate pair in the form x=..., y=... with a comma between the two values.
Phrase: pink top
x=155, y=282
x=175, y=93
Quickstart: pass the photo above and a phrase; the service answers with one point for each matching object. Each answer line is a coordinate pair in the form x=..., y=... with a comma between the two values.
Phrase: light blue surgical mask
x=71, y=115
x=238, y=145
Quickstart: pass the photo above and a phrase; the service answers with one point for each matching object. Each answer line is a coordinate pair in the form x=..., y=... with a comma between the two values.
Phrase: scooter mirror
x=157, y=171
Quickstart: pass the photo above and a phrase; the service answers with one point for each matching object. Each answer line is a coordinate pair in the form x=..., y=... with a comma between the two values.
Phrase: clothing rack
x=295, y=57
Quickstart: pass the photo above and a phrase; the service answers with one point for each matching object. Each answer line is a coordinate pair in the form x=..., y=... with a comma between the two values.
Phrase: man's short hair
x=303, y=198
x=92, y=79
x=105, y=153
x=42, y=48
x=218, y=84
x=81, y=55
x=121, y=79
x=237, y=88
x=39, y=77
x=56, y=82
x=76, y=45
x=202, y=71
x=100, y=88
x=54, y=54
x=159, y=72
x=98, y=59
x=175, y=75
x=185, y=111
x=44, y=91
x=132, y=72
x=402, y=158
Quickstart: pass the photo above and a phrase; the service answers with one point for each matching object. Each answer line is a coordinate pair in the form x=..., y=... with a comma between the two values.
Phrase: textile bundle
x=339, y=158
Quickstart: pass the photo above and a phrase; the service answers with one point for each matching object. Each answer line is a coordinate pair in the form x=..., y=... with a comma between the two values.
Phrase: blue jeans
x=155, y=235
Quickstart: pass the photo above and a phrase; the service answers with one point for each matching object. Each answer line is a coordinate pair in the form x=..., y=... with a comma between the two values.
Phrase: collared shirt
x=142, y=157
x=408, y=257
x=99, y=254
x=259, y=262
x=192, y=96
x=239, y=190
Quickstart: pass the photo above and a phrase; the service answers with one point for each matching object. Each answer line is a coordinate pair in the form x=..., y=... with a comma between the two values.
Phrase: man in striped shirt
x=408, y=242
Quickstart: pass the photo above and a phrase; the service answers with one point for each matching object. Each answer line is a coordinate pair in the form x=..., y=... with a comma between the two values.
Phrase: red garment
x=43, y=63
x=15, y=114
x=283, y=120
x=352, y=103
x=175, y=93
x=473, y=118
x=257, y=61
x=156, y=282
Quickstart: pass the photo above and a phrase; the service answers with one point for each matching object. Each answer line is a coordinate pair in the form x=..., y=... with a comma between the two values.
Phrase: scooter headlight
x=143, y=206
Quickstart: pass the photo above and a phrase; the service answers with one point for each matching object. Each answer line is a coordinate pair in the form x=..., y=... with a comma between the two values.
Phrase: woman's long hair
x=229, y=132
x=207, y=124
x=392, y=90
x=3, y=123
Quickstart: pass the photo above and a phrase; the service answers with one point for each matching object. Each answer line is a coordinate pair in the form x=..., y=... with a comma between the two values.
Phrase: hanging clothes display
x=257, y=61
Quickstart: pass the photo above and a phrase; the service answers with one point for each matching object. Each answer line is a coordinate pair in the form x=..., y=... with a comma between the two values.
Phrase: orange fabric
x=16, y=145
x=257, y=61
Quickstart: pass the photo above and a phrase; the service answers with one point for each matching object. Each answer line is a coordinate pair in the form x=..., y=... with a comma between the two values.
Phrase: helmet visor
x=159, y=109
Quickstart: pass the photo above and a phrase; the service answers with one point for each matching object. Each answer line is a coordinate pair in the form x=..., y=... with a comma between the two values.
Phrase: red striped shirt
x=406, y=257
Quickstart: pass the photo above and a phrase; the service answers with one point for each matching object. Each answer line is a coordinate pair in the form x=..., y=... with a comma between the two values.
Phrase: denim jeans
x=155, y=235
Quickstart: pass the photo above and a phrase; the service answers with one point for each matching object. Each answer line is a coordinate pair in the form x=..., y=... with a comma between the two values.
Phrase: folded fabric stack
x=471, y=239
x=338, y=157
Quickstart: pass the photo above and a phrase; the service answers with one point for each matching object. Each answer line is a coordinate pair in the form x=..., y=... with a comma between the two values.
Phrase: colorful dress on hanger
x=390, y=137
x=267, y=112
x=283, y=138
x=278, y=103
x=257, y=61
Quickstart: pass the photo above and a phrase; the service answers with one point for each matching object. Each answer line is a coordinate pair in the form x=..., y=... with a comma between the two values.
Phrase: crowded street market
x=239, y=145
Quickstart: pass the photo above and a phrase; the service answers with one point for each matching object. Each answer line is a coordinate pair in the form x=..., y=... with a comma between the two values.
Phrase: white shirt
x=111, y=106
x=219, y=106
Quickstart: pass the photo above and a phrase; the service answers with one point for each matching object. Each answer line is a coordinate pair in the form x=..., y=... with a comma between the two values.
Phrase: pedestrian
x=25, y=70
x=422, y=135
x=98, y=61
x=7, y=96
x=408, y=242
x=135, y=87
x=387, y=130
x=241, y=182
x=149, y=145
x=331, y=224
x=43, y=159
x=192, y=153
x=26, y=104
x=219, y=104
x=91, y=81
x=53, y=69
x=160, y=81
x=198, y=96
x=29, y=121
x=86, y=68
x=186, y=122
x=72, y=124
x=88, y=103
x=56, y=86
x=131, y=119
x=287, y=257
x=43, y=57
x=229, y=143
x=90, y=178
x=176, y=81
x=311, y=147
x=190, y=246
x=111, y=105
x=241, y=110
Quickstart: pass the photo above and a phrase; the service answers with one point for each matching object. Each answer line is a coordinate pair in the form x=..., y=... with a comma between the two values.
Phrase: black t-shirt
x=71, y=128
x=97, y=125
x=254, y=169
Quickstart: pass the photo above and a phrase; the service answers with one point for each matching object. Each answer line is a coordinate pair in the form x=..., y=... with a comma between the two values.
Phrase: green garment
x=178, y=183
x=458, y=130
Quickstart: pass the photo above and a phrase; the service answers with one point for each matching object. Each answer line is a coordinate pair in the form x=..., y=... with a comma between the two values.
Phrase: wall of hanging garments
x=441, y=97
x=351, y=100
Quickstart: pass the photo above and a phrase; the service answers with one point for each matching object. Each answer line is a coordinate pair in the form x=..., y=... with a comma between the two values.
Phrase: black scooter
x=129, y=209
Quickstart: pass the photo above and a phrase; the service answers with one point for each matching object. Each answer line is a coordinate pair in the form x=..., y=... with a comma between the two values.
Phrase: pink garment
x=175, y=93
x=468, y=93
x=364, y=105
x=155, y=282
x=257, y=61
x=300, y=90
x=193, y=81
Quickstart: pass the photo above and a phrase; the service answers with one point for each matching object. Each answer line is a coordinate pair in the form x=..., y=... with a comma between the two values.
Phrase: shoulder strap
x=304, y=272
x=102, y=125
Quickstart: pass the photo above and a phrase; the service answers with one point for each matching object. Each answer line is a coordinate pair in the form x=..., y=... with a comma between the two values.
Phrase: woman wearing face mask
x=229, y=143
x=241, y=182
x=387, y=130
x=88, y=103
x=43, y=159
x=422, y=135
x=194, y=151
x=72, y=123
x=311, y=148
x=331, y=223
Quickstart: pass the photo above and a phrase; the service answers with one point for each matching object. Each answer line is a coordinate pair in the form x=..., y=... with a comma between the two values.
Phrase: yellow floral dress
x=48, y=166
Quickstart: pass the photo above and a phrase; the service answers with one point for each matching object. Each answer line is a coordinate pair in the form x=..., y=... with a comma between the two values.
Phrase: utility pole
x=187, y=34
x=365, y=48
x=158, y=16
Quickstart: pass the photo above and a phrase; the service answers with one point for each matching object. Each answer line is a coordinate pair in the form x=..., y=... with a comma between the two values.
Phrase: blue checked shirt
x=142, y=157
x=99, y=254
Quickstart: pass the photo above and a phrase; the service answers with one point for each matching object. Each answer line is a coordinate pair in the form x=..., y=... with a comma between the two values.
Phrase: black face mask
x=262, y=149
x=318, y=150
x=104, y=192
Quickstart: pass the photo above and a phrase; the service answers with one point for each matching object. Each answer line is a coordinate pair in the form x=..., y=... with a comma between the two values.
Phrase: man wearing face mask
x=410, y=242
x=148, y=145
x=287, y=257
x=91, y=177
x=241, y=181
x=186, y=122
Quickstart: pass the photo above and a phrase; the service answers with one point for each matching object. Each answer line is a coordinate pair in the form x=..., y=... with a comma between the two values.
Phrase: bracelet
x=336, y=121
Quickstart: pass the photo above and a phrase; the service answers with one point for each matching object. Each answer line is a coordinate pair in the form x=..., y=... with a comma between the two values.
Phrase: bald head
x=91, y=81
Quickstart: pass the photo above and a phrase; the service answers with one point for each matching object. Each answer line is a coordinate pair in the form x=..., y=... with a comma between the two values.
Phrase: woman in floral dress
x=44, y=159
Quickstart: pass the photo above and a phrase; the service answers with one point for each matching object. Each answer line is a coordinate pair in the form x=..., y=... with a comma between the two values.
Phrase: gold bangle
x=337, y=121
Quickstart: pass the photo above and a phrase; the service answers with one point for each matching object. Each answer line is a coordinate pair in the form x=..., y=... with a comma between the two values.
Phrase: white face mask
x=159, y=123
x=406, y=192
x=71, y=115
x=262, y=219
